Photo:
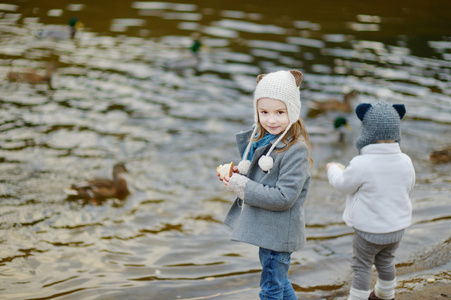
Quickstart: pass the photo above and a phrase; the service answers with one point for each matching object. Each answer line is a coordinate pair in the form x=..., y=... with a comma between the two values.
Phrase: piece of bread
x=225, y=170
x=340, y=166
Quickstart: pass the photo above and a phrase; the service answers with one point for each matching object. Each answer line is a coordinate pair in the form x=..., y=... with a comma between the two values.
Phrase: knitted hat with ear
x=380, y=121
x=283, y=86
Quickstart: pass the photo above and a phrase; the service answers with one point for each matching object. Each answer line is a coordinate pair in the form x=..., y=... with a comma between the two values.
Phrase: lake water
x=114, y=99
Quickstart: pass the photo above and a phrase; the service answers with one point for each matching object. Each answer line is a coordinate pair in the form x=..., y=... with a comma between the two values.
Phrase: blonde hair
x=296, y=130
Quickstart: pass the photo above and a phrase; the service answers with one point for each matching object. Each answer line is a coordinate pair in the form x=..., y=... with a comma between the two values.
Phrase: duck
x=337, y=135
x=99, y=189
x=33, y=76
x=189, y=61
x=318, y=107
x=441, y=156
x=60, y=32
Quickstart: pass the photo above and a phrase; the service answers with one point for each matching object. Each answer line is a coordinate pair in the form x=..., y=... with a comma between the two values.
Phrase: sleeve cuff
x=237, y=184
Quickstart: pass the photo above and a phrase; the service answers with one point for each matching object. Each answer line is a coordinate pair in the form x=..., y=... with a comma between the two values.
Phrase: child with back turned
x=377, y=183
x=272, y=180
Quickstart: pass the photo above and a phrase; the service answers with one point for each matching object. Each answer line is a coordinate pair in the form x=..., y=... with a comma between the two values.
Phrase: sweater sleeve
x=348, y=180
x=292, y=175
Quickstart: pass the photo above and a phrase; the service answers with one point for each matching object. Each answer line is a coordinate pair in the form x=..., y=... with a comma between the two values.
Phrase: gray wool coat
x=273, y=214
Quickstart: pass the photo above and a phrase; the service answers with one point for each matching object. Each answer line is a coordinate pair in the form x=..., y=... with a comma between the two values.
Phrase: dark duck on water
x=60, y=32
x=33, y=76
x=318, y=107
x=99, y=189
x=320, y=135
x=441, y=156
x=187, y=61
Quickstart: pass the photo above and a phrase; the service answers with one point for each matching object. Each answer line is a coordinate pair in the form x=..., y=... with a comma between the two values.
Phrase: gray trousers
x=365, y=254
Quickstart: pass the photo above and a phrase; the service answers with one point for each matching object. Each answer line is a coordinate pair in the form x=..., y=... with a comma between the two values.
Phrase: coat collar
x=383, y=148
x=243, y=137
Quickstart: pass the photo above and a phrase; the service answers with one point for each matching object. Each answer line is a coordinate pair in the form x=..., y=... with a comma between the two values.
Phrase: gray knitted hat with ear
x=380, y=121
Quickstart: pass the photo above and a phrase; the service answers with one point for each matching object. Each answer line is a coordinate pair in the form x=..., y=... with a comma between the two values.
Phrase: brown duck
x=318, y=107
x=33, y=76
x=440, y=156
x=99, y=189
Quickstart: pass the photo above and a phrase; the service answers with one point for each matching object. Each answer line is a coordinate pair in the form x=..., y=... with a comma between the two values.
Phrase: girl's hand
x=226, y=180
x=235, y=169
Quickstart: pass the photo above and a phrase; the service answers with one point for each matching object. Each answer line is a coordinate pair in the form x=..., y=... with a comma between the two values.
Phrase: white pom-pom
x=243, y=166
x=266, y=163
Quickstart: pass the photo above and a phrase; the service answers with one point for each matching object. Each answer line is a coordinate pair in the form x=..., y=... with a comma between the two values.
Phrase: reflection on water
x=112, y=98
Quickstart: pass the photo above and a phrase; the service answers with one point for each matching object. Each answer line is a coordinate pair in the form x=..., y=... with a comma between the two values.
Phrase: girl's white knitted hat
x=283, y=86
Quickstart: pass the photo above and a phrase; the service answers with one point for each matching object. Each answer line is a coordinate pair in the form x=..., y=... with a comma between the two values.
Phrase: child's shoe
x=374, y=297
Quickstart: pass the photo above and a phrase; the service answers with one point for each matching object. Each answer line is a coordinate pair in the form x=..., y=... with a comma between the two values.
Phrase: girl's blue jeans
x=274, y=283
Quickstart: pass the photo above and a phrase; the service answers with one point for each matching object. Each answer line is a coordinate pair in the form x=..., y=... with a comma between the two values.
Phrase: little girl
x=272, y=180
